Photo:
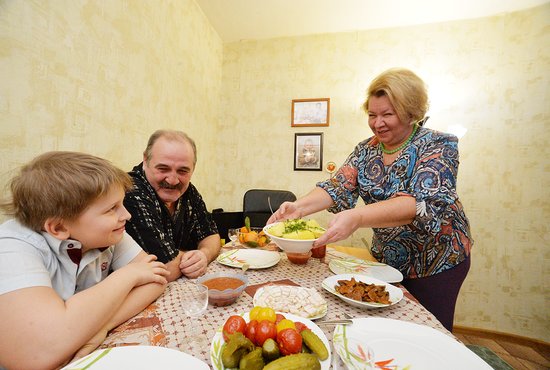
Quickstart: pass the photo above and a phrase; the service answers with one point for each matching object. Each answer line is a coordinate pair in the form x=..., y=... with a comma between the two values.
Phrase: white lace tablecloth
x=163, y=323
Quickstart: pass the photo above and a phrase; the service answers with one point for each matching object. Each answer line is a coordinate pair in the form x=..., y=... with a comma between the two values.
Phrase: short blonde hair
x=405, y=90
x=61, y=185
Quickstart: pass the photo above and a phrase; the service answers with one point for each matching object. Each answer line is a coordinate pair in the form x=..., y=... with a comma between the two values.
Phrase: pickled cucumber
x=299, y=361
x=237, y=346
x=252, y=360
x=315, y=344
x=270, y=350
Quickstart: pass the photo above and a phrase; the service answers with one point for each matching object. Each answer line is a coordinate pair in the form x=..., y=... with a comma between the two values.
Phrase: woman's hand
x=340, y=227
x=287, y=210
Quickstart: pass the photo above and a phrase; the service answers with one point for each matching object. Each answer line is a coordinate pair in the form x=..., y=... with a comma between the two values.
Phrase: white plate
x=218, y=341
x=304, y=302
x=400, y=345
x=377, y=270
x=331, y=282
x=137, y=358
x=255, y=258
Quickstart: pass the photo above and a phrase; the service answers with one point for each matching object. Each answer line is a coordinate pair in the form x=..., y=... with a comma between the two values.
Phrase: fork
x=269, y=204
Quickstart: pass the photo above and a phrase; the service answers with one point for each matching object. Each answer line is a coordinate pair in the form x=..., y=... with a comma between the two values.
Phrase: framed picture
x=308, y=151
x=310, y=112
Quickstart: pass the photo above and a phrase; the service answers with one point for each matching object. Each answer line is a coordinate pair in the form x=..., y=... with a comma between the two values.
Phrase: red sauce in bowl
x=298, y=258
x=223, y=283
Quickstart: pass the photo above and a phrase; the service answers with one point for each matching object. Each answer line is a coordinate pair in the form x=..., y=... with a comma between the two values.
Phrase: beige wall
x=490, y=75
x=101, y=76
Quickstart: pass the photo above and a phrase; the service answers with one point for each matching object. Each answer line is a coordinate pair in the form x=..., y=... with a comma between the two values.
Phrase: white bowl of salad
x=296, y=235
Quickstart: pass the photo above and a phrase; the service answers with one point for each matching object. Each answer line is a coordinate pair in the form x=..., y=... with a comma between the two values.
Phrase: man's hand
x=193, y=263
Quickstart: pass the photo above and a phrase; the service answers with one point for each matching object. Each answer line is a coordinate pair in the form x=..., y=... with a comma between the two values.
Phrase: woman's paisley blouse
x=439, y=237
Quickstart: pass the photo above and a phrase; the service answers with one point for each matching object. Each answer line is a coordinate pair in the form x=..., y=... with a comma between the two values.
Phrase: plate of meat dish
x=363, y=291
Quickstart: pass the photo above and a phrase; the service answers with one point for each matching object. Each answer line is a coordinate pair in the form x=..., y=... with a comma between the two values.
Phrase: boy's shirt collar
x=72, y=249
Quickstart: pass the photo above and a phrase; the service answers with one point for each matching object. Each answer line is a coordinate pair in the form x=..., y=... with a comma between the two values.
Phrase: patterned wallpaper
x=101, y=76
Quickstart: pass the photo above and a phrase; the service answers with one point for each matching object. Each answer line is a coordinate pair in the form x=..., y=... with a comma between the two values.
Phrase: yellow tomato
x=285, y=324
x=267, y=313
x=254, y=313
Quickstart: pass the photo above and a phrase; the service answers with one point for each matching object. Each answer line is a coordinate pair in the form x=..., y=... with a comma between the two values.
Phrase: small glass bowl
x=298, y=258
x=224, y=297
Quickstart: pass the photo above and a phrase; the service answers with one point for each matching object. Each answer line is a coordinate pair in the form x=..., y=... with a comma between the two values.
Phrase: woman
x=406, y=175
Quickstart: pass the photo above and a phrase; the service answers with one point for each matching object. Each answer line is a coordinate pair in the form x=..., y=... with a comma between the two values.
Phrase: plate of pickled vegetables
x=266, y=339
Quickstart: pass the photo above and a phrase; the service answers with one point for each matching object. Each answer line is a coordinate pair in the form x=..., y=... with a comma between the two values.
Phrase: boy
x=69, y=273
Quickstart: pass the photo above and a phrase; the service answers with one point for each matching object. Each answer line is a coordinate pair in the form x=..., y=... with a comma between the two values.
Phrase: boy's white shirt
x=28, y=259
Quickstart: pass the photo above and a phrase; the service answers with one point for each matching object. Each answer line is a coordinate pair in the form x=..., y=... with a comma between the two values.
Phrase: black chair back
x=256, y=204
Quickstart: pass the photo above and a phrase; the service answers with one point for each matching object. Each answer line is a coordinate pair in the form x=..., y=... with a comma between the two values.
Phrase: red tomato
x=250, y=331
x=300, y=326
x=290, y=341
x=279, y=318
x=265, y=329
x=233, y=324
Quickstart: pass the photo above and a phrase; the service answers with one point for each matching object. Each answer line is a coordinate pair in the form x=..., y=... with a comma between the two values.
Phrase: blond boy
x=68, y=271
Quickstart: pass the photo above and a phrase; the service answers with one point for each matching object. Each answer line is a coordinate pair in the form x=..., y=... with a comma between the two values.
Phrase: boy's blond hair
x=61, y=185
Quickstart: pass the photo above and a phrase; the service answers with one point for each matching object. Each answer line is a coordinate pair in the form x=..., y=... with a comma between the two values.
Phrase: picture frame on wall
x=308, y=151
x=310, y=112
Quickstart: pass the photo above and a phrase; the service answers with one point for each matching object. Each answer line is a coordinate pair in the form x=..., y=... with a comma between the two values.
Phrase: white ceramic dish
x=377, y=270
x=254, y=258
x=137, y=358
x=300, y=301
x=218, y=341
x=401, y=345
x=331, y=282
x=290, y=245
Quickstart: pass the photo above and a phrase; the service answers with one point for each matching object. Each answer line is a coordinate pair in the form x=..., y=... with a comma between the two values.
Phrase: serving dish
x=254, y=258
x=377, y=270
x=290, y=245
x=331, y=282
x=218, y=341
x=300, y=301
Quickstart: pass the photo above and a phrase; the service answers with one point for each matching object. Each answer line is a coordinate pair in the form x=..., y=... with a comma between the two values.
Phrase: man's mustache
x=163, y=184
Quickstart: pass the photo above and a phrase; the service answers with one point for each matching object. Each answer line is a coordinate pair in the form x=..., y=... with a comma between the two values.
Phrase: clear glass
x=232, y=234
x=194, y=300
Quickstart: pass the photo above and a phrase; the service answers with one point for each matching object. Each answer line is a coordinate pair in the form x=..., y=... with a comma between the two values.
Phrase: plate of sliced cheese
x=300, y=301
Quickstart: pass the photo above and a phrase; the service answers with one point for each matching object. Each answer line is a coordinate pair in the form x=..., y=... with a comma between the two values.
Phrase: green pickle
x=315, y=344
x=237, y=346
x=252, y=360
x=270, y=350
x=299, y=361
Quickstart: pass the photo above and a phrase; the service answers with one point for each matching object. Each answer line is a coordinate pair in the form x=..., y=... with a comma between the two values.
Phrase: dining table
x=164, y=323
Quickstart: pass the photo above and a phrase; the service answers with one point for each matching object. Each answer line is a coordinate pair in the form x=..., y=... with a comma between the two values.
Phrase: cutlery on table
x=335, y=322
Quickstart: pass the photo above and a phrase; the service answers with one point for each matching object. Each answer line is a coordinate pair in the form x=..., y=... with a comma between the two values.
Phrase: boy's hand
x=193, y=263
x=92, y=344
x=149, y=270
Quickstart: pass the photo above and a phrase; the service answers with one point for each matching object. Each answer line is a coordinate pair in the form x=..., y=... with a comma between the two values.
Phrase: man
x=169, y=216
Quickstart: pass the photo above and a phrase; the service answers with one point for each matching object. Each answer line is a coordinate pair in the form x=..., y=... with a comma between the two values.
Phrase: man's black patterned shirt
x=155, y=230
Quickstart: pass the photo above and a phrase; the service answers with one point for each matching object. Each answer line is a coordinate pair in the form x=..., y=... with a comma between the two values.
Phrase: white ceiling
x=236, y=20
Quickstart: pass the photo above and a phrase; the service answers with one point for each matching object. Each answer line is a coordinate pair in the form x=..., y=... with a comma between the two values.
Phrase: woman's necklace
x=387, y=151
